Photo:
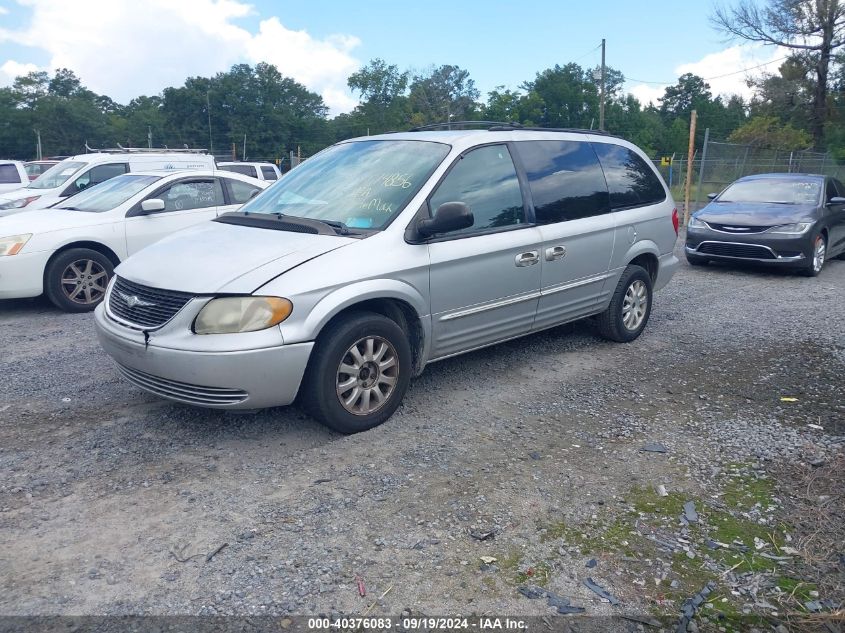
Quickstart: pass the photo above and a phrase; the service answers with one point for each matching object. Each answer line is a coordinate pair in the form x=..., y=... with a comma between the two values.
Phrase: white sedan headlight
x=13, y=244
x=792, y=229
x=228, y=315
x=20, y=203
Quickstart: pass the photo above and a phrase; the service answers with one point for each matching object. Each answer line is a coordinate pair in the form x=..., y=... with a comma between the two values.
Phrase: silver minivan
x=382, y=254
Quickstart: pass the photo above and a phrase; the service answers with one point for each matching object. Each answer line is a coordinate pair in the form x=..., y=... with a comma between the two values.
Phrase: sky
x=128, y=48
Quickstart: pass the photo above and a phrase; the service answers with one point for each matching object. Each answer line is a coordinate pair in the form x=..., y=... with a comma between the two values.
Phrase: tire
x=817, y=257
x=697, y=260
x=76, y=280
x=634, y=289
x=325, y=378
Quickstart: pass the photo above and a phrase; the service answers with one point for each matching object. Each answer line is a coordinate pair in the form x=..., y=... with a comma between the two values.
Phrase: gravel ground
x=104, y=490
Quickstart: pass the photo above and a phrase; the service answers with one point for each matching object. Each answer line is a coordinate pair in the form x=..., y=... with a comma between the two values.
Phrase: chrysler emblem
x=132, y=301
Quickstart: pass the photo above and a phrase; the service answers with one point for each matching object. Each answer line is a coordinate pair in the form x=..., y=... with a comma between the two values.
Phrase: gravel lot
x=104, y=490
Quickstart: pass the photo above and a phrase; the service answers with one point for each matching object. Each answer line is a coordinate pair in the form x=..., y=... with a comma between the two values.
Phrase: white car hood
x=39, y=221
x=216, y=258
x=46, y=197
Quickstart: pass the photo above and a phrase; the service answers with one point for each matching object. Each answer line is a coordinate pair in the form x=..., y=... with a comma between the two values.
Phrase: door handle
x=555, y=252
x=528, y=259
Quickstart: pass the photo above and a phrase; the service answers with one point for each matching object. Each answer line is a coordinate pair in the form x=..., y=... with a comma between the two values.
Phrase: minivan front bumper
x=248, y=379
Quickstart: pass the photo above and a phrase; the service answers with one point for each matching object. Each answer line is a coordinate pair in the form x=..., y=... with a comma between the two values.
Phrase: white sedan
x=69, y=251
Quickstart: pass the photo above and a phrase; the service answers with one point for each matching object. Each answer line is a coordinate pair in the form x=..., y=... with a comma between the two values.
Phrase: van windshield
x=107, y=195
x=363, y=184
x=57, y=175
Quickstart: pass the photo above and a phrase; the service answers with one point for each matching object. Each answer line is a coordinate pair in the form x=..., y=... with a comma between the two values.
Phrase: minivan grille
x=738, y=229
x=726, y=249
x=143, y=306
x=182, y=391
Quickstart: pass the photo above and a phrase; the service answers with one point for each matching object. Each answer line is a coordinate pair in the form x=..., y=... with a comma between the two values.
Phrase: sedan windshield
x=109, y=194
x=363, y=184
x=785, y=191
x=57, y=175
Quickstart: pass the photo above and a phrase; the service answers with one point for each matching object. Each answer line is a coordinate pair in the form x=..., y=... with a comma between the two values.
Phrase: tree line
x=275, y=114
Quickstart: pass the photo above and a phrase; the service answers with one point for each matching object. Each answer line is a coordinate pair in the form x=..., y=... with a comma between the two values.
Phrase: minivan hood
x=213, y=258
x=754, y=213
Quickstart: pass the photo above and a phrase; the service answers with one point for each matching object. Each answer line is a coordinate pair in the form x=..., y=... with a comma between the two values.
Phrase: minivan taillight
x=675, y=220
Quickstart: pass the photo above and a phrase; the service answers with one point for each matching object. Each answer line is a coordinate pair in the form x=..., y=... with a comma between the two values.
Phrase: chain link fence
x=717, y=164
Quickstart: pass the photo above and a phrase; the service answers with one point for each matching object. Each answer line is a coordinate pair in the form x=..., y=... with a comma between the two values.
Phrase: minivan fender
x=641, y=247
x=347, y=297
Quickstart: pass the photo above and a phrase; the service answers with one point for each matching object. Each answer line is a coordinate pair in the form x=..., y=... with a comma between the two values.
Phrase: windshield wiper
x=339, y=226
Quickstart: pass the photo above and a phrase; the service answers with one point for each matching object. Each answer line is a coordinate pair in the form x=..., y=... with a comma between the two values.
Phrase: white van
x=12, y=175
x=76, y=173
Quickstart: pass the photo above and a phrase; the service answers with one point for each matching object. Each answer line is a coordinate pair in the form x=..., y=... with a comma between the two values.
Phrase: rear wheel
x=816, y=259
x=359, y=372
x=76, y=280
x=629, y=309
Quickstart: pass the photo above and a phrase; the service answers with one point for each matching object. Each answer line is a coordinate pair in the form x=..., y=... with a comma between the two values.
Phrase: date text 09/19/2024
x=418, y=623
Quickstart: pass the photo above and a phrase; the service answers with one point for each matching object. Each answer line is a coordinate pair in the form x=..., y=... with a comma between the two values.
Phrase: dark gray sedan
x=795, y=220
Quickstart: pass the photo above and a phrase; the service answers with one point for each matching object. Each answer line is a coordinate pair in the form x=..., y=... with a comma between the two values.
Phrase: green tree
x=770, y=133
x=442, y=93
x=814, y=28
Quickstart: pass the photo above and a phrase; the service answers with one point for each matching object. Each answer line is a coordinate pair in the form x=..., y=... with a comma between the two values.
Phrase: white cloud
x=12, y=69
x=126, y=48
x=723, y=71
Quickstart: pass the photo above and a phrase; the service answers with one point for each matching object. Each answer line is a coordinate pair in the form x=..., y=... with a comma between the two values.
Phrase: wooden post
x=690, y=155
x=234, y=155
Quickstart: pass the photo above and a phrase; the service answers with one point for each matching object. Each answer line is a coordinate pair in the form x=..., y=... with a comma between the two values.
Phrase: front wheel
x=76, y=280
x=815, y=262
x=629, y=309
x=358, y=374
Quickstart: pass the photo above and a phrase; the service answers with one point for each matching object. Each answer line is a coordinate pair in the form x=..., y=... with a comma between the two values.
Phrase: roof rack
x=144, y=150
x=505, y=126
x=459, y=124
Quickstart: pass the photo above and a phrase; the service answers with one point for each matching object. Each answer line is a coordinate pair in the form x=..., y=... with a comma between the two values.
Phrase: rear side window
x=630, y=180
x=9, y=174
x=239, y=192
x=246, y=170
x=485, y=179
x=269, y=173
x=565, y=179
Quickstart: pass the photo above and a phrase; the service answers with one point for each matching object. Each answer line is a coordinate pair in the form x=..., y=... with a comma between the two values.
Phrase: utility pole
x=208, y=110
x=149, y=137
x=38, y=144
x=601, y=89
x=243, y=156
x=690, y=156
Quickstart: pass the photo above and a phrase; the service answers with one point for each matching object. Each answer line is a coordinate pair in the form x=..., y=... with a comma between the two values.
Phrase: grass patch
x=745, y=492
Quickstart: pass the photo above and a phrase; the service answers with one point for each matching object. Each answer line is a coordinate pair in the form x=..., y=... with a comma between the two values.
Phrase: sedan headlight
x=695, y=223
x=13, y=244
x=792, y=229
x=17, y=204
x=228, y=315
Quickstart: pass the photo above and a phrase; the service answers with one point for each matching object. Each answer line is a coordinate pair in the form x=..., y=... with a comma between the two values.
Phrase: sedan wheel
x=817, y=257
x=76, y=280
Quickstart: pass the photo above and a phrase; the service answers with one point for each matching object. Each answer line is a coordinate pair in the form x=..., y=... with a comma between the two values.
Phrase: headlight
x=13, y=244
x=792, y=229
x=17, y=204
x=695, y=223
x=228, y=315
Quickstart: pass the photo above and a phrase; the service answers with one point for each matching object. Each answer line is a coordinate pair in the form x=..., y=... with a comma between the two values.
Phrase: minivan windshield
x=773, y=190
x=107, y=195
x=57, y=175
x=363, y=184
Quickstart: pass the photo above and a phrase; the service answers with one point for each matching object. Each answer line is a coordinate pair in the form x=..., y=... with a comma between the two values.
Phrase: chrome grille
x=183, y=391
x=143, y=306
x=727, y=249
x=738, y=229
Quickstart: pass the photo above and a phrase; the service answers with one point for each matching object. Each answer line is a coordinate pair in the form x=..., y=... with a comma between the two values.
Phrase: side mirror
x=152, y=205
x=712, y=196
x=836, y=200
x=253, y=193
x=450, y=216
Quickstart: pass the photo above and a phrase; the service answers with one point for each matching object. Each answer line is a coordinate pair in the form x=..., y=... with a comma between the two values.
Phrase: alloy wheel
x=819, y=251
x=367, y=375
x=84, y=281
x=634, y=305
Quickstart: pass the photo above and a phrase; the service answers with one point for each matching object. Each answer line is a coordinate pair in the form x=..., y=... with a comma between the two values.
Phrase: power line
x=736, y=72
